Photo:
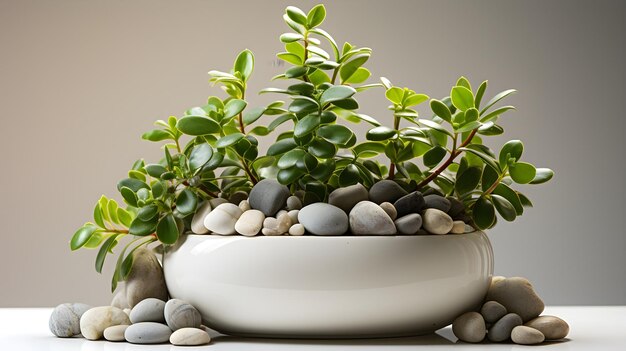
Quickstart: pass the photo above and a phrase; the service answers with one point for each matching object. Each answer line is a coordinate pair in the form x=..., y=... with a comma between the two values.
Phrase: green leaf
x=483, y=213
x=279, y=120
x=395, y=95
x=200, y=155
x=296, y=15
x=132, y=184
x=495, y=113
x=369, y=149
x=167, y=230
x=307, y=125
x=359, y=76
x=290, y=158
x=415, y=99
x=436, y=126
x=466, y=127
x=302, y=105
x=522, y=172
x=252, y=115
x=480, y=93
x=490, y=128
x=468, y=180
x=156, y=135
x=97, y=216
x=196, y=125
x=291, y=37
x=462, y=81
x=433, y=156
x=295, y=72
x=186, y=202
x=462, y=98
x=234, y=107
x=129, y=196
x=471, y=114
x=335, y=93
x=307, y=162
x=280, y=147
x=511, y=149
x=347, y=104
x=229, y=140
x=349, y=176
x=335, y=133
x=316, y=16
x=380, y=133
x=289, y=175
x=148, y=212
x=366, y=118
x=112, y=210
x=441, y=110
x=244, y=64
x=490, y=176
x=506, y=192
x=105, y=249
x=155, y=170
x=525, y=200
x=322, y=148
x=82, y=235
x=348, y=69
x=125, y=217
x=497, y=98
x=486, y=158
x=543, y=175
x=504, y=207
x=142, y=228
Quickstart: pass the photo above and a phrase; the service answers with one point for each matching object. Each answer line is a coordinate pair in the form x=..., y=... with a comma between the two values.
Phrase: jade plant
x=212, y=150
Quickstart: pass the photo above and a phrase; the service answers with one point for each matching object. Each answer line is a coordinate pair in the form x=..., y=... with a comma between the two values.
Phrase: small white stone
x=244, y=205
x=280, y=212
x=223, y=218
x=250, y=223
x=469, y=228
x=270, y=223
x=293, y=215
x=284, y=222
x=115, y=333
x=197, y=222
x=436, y=221
x=190, y=337
x=458, y=227
x=96, y=320
x=270, y=232
x=296, y=230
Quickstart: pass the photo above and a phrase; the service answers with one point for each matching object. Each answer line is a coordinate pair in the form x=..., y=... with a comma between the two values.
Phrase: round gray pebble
x=501, y=330
x=469, y=327
x=492, y=311
x=180, y=314
x=148, y=333
x=148, y=310
x=65, y=319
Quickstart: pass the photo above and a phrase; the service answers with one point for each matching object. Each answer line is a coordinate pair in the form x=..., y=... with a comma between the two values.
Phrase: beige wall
x=80, y=81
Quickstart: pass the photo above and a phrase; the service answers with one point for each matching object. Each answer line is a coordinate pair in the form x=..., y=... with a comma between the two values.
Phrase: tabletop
x=597, y=327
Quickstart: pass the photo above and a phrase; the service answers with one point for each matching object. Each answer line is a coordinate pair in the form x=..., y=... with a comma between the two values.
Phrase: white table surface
x=597, y=328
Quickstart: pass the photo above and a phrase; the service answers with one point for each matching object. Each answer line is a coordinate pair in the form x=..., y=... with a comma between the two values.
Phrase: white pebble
x=250, y=223
x=458, y=227
x=296, y=229
x=244, y=205
x=293, y=215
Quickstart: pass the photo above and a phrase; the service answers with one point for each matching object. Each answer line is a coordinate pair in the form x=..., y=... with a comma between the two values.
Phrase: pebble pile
x=386, y=209
x=511, y=312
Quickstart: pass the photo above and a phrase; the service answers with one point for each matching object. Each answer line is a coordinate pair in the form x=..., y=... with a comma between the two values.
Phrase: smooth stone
x=553, y=328
x=217, y=201
x=197, y=221
x=244, y=205
x=293, y=215
x=284, y=222
x=437, y=221
x=180, y=314
x=409, y=224
x=250, y=223
x=323, y=219
x=469, y=229
x=526, y=336
x=268, y=196
x=431, y=191
x=456, y=206
x=223, y=218
x=390, y=209
x=386, y=191
x=518, y=296
x=469, y=327
x=501, y=330
x=346, y=198
x=237, y=197
x=127, y=311
x=270, y=232
x=411, y=203
x=296, y=229
x=492, y=311
x=115, y=333
x=438, y=202
x=190, y=337
x=95, y=320
x=458, y=227
x=270, y=223
x=145, y=278
x=280, y=212
x=64, y=321
x=294, y=203
x=119, y=299
x=148, y=333
x=367, y=218
x=148, y=310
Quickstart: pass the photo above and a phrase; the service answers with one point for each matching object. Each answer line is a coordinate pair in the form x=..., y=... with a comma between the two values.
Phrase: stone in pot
x=323, y=219
x=346, y=198
x=411, y=203
x=437, y=221
x=386, y=191
x=268, y=196
x=367, y=218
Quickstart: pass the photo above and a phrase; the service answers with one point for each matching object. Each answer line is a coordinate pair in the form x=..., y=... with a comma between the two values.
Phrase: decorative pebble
x=411, y=203
x=553, y=328
x=294, y=203
x=501, y=330
x=190, y=337
x=409, y=224
x=456, y=207
x=386, y=191
x=244, y=205
x=469, y=327
x=223, y=218
x=250, y=223
x=64, y=321
x=216, y=201
x=237, y=197
x=197, y=221
x=268, y=196
x=148, y=310
x=127, y=311
x=437, y=221
x=469, y=229
x=180, y=314
x=293, y=215
x=458, y=227
x=492, y=311
x=95, y=320
x=390, y=209
x=119, y=299
x=335, y=220
x=145, y=278
x=526, y=335
x=296, y=230
x=115, y=333
x=347, y=197
x=280, y=212
x=517, y=295
x=367, y=218
x=148, y=333
x=438, y=202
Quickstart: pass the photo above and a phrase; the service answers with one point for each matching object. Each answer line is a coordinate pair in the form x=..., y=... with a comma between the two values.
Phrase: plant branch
x=392, y=165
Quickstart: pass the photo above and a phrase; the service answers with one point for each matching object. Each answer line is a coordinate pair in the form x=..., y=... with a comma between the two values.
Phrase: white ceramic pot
x=330, y=287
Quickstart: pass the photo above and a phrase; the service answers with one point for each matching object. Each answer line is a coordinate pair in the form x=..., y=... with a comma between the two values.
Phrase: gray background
x=80, y=81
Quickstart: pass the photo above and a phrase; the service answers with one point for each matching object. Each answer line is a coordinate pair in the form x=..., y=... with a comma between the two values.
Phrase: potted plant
x=372, y=262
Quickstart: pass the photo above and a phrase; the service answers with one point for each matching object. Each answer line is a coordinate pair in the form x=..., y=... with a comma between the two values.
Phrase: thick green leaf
x=486, y=158
x=441, y=110
x=290, y=37
x=155, y=170
x=497, y=98
x=125, y=217
x=380, y=133
x=466, y=127
x=347, y=104
x=132, y=184
x=480, y=93
x=471, y=114
x=335, y=93
x=415, y=99
x=543, y=175
x=468, y=180
x=462, y=81
x=359, y=76
x=228, y=140
x=302, y=105
x=316, y=16
x=506, y=192
x=335, y=133
x=307, y=162
x=489, y=177
x=504, y=207
x=307, y=125
x=483, y=213
x=525, y=200
x=167, y=230
x=196, y=125
x=82, y=235
x=280, y=147
x=512, y=149
x=436, y=126
x=200, y=155
x=142, y=228
x=156, y=135
x=234, y=107
x=290, y=158
x=462, y=98
x=245, y=64
x=295, y=72
x=252, y=115
x=496, y=113
x=186, y=202
x=279, y=120
x=490, y=128
x=105, y=249
x=349, y=68
x=434, y=156
x=296, y=15
x=148, y=212
x=522, y=172
x=289, y=175
x=395, y=95
x=322, y=148
x=369, y=149
x=129, y=196
x=349, y=176
x=98, y=216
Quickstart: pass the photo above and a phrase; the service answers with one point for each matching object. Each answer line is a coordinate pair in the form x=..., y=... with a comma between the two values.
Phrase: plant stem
x=241, y=126
x=306, y=55
x=248, y=171
x=392, y=165
x=455, y=152
x=497, y=182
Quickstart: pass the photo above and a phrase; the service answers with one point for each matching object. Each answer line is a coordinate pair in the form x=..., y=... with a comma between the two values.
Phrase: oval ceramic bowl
x=330, y=287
